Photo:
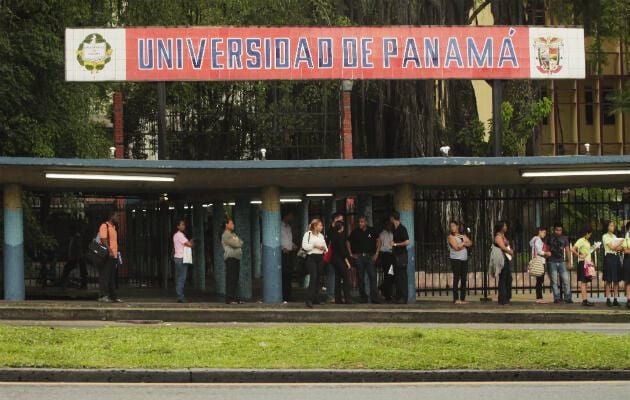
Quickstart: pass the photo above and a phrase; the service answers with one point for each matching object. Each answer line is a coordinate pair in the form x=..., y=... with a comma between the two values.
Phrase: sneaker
x=181, y=301
x=117, y=300
x=568, y=301
x=615, y=302
x=104, y=299
x=557, y=301
x=608, y=303
x=587, y=303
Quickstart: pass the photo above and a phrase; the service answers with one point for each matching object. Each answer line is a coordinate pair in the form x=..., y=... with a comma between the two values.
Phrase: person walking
x=180, y=242
x=288, y=255
x=504, y=272
x=232, y=252
x=399, y=244
x=314, y=244
x=341, y=263
x=626, y=264
x=386, y=260
x=76, y=259
x=612, y=264
x=583, y=249
x=108, y=236
x=560, y=250
x=538, y=250
x=362, y=246
x=458, y=244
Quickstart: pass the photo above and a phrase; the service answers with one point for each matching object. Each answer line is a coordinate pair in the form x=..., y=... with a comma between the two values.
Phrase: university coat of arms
x=94, y=53
x=549, y=54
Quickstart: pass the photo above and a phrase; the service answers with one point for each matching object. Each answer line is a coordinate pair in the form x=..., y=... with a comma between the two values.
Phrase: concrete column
x=14, y=288
x=404, y=202
x=242, y=215
x=271, y=252
x=200, y=215
x=256, y=243
x=365, y=207
x=218, y=215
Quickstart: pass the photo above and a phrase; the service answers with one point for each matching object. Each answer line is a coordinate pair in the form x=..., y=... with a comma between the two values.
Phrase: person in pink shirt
x=180, y=241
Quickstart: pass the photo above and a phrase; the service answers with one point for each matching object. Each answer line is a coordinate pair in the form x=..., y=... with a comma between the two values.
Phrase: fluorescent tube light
x=290, y=200
x=560, y=173
x=319, y=195
x=110, y=177
x=255, y=202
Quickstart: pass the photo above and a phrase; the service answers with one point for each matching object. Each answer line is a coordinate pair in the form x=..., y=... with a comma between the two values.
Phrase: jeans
x=181, y=271
x=232, y=272
x=288, y=258
x=460, y=273
x=313, y=266
x=555, y=268
x=365, y=264
x=107, y=278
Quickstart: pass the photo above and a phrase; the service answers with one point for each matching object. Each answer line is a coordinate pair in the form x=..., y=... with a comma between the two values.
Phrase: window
x=588, y=105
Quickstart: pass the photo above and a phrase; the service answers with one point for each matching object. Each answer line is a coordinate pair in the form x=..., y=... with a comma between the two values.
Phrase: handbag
x=536, y=266
x=589, y=269
x=188, y=257
x=302, y=253
x=328, y=255
x=97, y=249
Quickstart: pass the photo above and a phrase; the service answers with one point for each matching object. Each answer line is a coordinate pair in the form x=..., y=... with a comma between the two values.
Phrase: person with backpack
x=538, y=255
x=108, y=236
x=560, y=249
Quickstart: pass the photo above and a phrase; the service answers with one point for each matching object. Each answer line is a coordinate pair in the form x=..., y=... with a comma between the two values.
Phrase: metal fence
x=524, y=210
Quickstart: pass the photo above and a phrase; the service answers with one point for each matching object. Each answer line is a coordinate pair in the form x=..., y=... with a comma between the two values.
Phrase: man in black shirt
x=399, y=249
x=362, y=247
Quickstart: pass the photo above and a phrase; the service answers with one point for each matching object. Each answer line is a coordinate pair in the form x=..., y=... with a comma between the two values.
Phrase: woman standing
x=314, y=245
x=538, y=250
x=626, y=264
x=180, y=242
x=341, y=263
x=505, y=271
x=583, y=249
x=232, y=252
x=612, y=263
x=458, y=244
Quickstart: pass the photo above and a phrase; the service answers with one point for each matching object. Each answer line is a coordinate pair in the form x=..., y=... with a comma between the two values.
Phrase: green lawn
x=315, y=346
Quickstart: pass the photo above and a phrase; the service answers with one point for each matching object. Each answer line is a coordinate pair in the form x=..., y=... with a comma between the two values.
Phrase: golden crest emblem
x=549, y=52
x=94, y=53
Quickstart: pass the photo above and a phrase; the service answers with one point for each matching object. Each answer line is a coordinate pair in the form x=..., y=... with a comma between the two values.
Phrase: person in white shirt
x=288, y=255
x=180, y=241
x=314, y=244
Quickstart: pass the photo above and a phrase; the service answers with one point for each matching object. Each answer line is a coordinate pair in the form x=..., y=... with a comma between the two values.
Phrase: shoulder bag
x=536, y=266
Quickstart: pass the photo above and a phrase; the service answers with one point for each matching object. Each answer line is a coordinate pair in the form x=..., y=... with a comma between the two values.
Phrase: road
x=433, y=391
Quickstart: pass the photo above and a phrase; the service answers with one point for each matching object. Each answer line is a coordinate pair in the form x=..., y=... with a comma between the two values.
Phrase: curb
x=297, y=315
x=301, y=376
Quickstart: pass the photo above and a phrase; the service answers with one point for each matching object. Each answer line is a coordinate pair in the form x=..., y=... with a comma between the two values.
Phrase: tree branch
x=477, y=11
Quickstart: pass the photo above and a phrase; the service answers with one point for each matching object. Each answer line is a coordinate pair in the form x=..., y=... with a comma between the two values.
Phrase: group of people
x=556, y=254
x=362, y=249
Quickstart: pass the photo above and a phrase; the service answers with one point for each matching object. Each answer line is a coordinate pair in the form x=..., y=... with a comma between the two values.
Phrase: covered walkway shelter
x=265, y=182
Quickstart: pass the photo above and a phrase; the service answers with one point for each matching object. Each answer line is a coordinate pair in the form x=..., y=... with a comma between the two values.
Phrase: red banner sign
x=304, y=53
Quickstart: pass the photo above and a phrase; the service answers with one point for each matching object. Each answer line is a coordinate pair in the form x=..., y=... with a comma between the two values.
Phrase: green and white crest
x=94, y=53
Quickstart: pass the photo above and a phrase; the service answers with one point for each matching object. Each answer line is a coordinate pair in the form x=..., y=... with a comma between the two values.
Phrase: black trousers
x=314, y=264
x=400, y=275
x=460, y=275
x=505, y=283
x=232, y=272
x=70, y=266
x=107, y=278
x=342, y=277
x=387, y=260
x=288, y=261
x=540, y=280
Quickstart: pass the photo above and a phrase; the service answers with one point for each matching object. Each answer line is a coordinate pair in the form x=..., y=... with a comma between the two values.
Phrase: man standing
x=288, y=255
x=108, y=235
x=362, y=246
x=399, y=249
x=560, y=248
x=180, y=241
x=330, y=269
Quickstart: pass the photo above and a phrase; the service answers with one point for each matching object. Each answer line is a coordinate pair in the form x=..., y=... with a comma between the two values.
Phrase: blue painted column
x=242, y=215
x=404, y=202
x=14, y=288
x=200, y=216
x=271, y=252
x=256, y=243
x=218, y=215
